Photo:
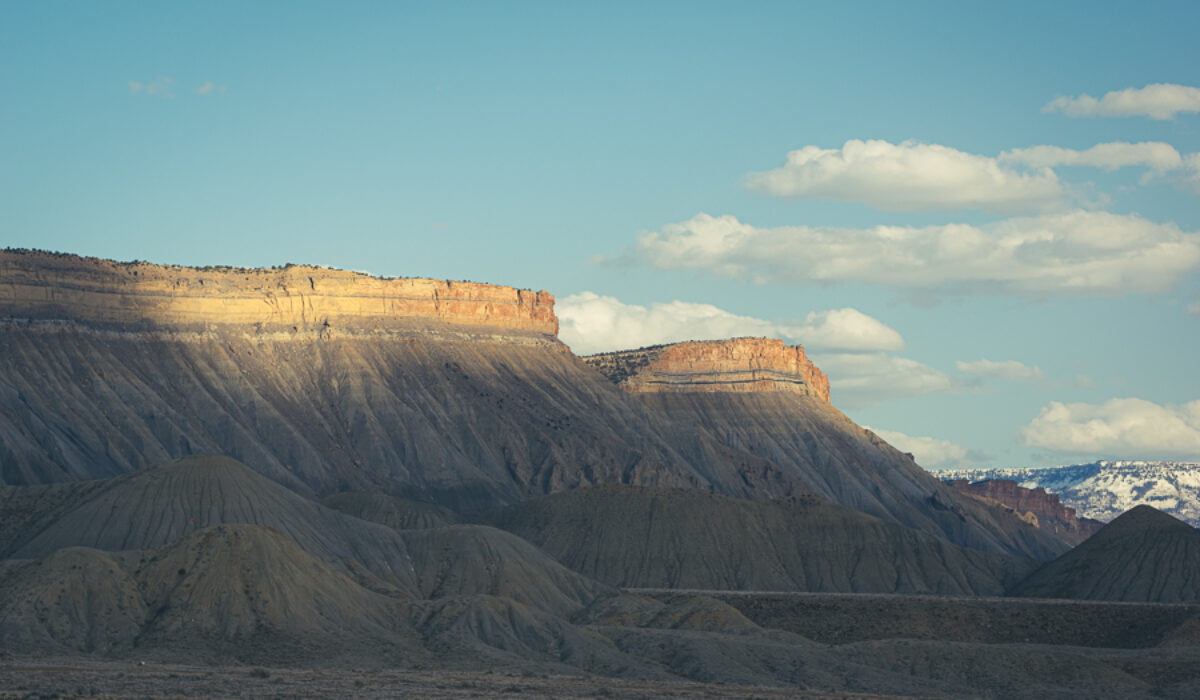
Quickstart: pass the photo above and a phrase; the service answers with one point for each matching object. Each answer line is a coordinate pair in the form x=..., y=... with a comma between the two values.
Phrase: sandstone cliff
x=758, y=396
x=326, y=381
x=37, y=286
x=1036, y=506
x=747, y=365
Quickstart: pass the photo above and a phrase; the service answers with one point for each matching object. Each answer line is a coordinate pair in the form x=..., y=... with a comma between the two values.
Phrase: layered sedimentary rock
x=36, y=286
x=760, y=397
x=746, y=365
x=1035, y=506
x=326, y=381
x=457, y=395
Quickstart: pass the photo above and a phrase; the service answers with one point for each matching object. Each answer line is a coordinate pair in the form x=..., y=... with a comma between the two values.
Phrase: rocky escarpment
x=1036, y=506
x=46, y=287
x=747, y=365
x=761, y=397
x=449, y=393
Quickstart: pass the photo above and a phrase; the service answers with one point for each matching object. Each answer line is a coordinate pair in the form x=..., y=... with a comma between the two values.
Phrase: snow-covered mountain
x=1104, y=490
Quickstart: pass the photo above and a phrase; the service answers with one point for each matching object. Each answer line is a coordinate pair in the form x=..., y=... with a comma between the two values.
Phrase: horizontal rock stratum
x=41, y=286
x=746, y=365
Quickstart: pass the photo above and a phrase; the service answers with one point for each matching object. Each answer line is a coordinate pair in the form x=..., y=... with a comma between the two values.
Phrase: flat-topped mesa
x=741, y=365
x=48, y=287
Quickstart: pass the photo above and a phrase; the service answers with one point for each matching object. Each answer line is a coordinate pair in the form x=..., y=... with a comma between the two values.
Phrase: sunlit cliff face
x=48, y=287
x=740, y=365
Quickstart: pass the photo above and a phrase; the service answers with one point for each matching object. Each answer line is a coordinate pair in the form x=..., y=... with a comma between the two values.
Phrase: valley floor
x=43, y=678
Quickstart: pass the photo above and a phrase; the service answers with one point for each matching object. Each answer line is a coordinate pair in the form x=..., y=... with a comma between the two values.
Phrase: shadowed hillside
x=668, y=538
x=734, y=393
x=1144, y=555
x=158, y=505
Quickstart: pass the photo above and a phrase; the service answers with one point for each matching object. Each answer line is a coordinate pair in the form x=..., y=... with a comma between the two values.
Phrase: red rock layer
x=741, y=365
x=1037, y=506
x=50, y=287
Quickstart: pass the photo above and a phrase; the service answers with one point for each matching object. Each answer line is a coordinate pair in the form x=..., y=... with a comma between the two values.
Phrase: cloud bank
x=1077, y=253
x=1130, y=428
x=1158, y=101
x=909, y=176
x=591, y=323
x=1155, y=155
x=858, y=380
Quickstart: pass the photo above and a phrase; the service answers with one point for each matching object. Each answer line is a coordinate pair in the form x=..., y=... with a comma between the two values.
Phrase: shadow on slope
x=1144, y=555
x=671, y=538
x=161, y=504
x=815, y=444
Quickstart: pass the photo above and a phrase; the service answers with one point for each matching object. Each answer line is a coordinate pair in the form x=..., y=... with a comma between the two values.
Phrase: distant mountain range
x=1103, y=490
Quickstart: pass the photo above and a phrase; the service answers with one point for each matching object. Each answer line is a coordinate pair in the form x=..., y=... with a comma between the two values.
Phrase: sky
x=981, y=220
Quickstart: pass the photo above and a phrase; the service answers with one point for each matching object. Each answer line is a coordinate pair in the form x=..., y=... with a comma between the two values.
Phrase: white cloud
x=1006, y=369
x=160, y=87
x=930, y=453
x=1158, y=101
x=1155, y=155
x=909, y=176
x=857, y=380
x=209, y=88
x=1131, y=428
x=1077, y=253
x=590, y=323
x=846, y=329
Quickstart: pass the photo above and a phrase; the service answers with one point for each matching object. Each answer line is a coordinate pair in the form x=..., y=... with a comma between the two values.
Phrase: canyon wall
x=740, y=365
x=38, y=286
x=1037, y=506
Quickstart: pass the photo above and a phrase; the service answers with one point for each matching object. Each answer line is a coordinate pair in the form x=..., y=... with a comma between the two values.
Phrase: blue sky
x=975, y=298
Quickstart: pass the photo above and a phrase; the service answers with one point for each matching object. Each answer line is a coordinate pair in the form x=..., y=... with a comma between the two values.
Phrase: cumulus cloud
x=591, y=323
x=210, y=88
x=1159, y=101
x=858, y=380
x=1155, y=155
x=846, y=329
x=1006, y=369
x=1077, y=253
x=160, y=87
x=1131, y=428
x=909, y=176
x=930, y=453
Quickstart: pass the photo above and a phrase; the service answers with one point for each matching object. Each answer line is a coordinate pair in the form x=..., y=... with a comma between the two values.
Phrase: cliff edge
x=740, y=365
x=48, y=287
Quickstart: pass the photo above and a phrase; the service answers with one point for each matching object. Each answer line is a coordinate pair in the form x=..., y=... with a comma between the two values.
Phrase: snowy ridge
x=1104, y=490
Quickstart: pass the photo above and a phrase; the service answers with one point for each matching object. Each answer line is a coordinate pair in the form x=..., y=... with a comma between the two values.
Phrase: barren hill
x=673, y=538
x=1144, y=555
x=159, y=505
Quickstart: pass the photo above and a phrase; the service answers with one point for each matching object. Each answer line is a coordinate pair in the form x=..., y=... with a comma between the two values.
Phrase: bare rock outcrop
x=741, y=365
x=38, y=286
x=1035, y=506
x=759, y=396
